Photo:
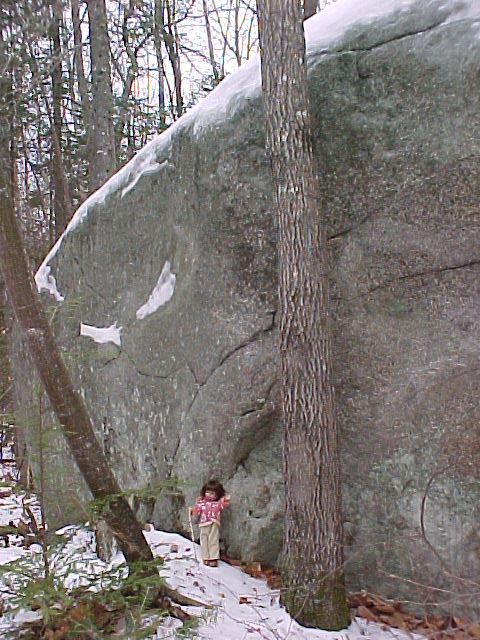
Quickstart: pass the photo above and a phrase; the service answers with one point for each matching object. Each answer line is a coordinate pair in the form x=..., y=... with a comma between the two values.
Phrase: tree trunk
x=102, y=161
x=157, y=36
x=170, y=38
x=238, y=56
x=78, y=61
x=66, y=403
x=125, y=126
x=86, y=107
x=313, y=578
x=61, y=203
x=211, y=50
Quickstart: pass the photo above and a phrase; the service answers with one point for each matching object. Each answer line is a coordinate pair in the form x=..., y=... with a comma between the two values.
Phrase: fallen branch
x=180, y=598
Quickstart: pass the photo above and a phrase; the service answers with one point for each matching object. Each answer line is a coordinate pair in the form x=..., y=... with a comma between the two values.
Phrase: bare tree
x=157, y=39
x=166, y=19
x=78, y=66
x=102, y=161
x=211, y=50
x=313, y=579
x=62, y=202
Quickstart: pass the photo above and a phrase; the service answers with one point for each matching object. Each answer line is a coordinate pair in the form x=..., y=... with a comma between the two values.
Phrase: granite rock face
x=192, y=390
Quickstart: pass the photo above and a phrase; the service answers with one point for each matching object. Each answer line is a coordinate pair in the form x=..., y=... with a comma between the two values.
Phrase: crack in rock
x=408, y=34
x=412, y=276
x=354, y=227
x=260, y=403
x=242, y=345
x=260, y=433
x=201, y=384
x=138, y=370
x=366, y=49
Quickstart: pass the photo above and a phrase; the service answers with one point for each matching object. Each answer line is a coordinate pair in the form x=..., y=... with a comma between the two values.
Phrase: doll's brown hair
x=215, y=487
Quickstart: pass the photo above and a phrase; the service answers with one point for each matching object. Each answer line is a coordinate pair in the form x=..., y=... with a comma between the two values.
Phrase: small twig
x=430, y=588
x=432, y=478
x=192, y=535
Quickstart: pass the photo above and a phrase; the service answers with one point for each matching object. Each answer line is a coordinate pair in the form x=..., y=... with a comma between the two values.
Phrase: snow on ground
x=244, y=608
x=241, y=607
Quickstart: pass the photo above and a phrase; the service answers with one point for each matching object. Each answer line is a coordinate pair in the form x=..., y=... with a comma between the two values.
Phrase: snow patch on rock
x=161, y=293
x=102, y=335
x=46, y=282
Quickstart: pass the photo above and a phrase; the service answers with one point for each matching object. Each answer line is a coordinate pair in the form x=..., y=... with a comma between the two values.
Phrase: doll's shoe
x=214, y=563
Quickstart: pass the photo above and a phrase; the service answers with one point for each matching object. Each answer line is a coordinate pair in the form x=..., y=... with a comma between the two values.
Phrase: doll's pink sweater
x=209, y=510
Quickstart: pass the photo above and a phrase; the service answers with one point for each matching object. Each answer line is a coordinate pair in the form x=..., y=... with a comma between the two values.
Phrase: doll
x=209, y=505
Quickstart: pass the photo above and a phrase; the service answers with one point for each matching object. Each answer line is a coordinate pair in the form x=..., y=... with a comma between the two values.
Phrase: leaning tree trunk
x=313, y=572
x=66, y=403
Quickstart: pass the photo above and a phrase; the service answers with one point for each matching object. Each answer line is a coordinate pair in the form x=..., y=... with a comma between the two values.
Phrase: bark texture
x=102, y=161
x=78, y=61
x=157, y=39
x=313, y=588
x=55, y=378
x=166, y=17
x=62, y=204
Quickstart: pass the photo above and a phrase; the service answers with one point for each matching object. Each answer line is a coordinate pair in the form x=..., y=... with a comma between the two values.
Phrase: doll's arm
x=195, y=510
x=226, y=500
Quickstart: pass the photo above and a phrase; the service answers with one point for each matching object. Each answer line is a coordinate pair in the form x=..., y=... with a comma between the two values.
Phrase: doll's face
x=211, y=496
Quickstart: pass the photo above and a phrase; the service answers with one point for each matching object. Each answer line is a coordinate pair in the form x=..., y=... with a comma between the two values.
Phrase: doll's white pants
x=210, y=541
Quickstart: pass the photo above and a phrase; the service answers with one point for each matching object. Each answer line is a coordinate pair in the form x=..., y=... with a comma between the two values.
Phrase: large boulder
x=178, y=249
